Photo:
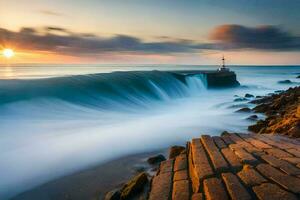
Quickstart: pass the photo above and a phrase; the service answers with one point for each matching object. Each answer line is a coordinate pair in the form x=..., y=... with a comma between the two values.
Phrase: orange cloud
x=233, y=36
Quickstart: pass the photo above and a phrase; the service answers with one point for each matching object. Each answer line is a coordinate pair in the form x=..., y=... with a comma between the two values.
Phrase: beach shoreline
x=93, y=182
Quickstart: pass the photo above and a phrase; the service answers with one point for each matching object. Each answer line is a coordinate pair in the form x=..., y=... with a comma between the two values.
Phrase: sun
x=8, y=53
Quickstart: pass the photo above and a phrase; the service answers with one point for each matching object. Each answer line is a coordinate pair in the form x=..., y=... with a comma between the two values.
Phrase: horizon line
x=145, y=64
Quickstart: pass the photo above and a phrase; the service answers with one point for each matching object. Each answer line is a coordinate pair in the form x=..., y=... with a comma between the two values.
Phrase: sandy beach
x=92, y=183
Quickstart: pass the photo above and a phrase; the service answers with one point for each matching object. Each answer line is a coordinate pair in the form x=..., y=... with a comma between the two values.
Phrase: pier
x=220, y=78
x=232, y=166
x=214, y=78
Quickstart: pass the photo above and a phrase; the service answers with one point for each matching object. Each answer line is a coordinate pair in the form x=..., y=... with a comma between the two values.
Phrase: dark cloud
x=47, y=39
x=262, y=37
x=52, y=28
x=63, y=41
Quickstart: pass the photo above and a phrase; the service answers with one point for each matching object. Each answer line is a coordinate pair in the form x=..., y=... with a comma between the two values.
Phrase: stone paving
x=233, y=166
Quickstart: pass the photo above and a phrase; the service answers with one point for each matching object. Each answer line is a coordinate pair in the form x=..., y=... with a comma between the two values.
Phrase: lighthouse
x=223, y=67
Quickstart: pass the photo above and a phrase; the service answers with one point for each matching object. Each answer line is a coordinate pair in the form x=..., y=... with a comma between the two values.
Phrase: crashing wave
x=106, y=90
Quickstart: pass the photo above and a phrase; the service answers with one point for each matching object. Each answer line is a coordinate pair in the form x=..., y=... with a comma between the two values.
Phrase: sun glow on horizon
x=8, y=53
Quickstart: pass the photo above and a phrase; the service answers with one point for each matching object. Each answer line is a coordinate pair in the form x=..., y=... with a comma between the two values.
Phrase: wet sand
x=92, y=183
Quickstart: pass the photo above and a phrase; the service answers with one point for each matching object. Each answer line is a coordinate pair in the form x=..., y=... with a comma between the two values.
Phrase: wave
x=45, y=122
x=53, y=127
x=106, y=90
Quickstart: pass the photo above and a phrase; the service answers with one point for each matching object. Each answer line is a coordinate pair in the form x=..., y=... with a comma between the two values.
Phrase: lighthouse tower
x=223, y=68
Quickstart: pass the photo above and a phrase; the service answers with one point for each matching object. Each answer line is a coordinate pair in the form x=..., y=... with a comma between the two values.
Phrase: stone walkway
x=234, y=166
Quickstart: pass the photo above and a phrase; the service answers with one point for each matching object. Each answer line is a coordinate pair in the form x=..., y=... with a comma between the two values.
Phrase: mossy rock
x=156, y=159
x=225, y=133
x=258, y=126
x=113, y=195
x=175, y=151
x=134, y=186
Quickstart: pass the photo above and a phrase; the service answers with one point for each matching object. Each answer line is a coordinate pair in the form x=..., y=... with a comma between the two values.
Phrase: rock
x=253, y=117
x=236, y=106
x=245, y=109
x=134, y=186
x=175, y=151
x=261, y=100
x=249, y=95
x=154, y=169
x=259, y=97
x=258, y=126
x=279, y=102
x=262, y=108
x=113, y=195
x=285, y=82
x=240, y=99
x=156, y=159
x=183, y=152
x=295, y=130
x=270, y=112
x=283, y=113
x=298, y=76
x=139, y=169
x=225, y=133
x=278, y=91
x=270, y=117
x=272, y=122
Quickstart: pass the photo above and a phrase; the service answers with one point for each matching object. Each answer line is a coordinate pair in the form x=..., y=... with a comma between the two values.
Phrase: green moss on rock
x=134, y=186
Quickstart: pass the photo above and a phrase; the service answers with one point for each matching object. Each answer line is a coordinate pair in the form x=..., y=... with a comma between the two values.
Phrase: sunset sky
x=151, y=31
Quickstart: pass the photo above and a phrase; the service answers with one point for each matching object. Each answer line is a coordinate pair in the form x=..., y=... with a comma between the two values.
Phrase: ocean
x=59, y=119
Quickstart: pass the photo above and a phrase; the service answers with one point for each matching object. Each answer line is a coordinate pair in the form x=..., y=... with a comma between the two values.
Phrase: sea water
x=59, y=119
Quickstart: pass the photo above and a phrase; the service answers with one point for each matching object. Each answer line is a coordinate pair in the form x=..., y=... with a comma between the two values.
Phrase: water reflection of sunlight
x=7, y=72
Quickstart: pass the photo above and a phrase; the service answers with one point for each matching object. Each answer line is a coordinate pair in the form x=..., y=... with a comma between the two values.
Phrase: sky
x=151, y=31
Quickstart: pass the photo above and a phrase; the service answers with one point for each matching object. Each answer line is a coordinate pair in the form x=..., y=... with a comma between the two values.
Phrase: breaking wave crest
x=106, y=90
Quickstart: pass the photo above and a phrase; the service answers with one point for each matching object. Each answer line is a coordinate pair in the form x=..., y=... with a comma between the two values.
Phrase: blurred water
x=51, y=127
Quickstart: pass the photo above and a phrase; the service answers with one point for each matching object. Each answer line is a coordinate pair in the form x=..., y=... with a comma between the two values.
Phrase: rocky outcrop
x=156, y=159
x=285, y=82
x=245, y=109
x=240, y=99
x=233, y=166
x=113, y=195
x=224, y=133
x=134, y=186
x=131, y=189
x=175, y=151
x=260, y=125
x=253, y=117
x=282, y=113
x=249, y=95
